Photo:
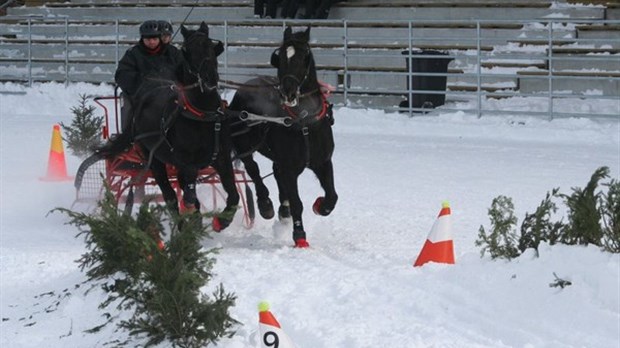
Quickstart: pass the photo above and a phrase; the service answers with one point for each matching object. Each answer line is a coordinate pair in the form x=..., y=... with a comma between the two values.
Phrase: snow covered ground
x=355, y=287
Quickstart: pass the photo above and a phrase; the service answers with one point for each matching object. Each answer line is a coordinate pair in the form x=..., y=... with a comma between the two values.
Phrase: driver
x=150, y=57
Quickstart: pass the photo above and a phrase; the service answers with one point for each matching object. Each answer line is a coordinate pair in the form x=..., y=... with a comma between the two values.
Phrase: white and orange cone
x=438, y=246
x=56, y=164
x=271, y=334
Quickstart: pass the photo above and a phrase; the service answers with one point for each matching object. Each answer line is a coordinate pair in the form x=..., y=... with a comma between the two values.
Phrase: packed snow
x=356, y=285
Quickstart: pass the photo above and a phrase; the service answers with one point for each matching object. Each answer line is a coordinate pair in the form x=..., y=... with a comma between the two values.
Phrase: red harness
x=187, y=106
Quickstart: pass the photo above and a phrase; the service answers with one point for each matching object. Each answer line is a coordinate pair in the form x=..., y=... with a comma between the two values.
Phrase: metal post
x=226, y=48
x=66, y=51
x=116, y=53
x=550, y=68
x=29, y=52
x=479, y=70
x=410, y=70
x=345, y=83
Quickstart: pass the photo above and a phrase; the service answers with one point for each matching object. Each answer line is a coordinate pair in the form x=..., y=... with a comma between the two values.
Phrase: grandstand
x=497, y=49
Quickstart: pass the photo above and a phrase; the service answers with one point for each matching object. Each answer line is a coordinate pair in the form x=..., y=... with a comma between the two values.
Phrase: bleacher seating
x=81, y=40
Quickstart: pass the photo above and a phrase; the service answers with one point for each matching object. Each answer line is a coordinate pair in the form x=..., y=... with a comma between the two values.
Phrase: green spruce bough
x=161, y=287
x=84, y=132
x=593, y=217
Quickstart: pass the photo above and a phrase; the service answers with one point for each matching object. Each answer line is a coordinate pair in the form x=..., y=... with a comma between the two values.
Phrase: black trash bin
x=431, y=64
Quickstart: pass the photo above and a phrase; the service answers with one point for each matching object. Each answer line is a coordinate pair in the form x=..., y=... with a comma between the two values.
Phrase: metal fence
x=495, y=67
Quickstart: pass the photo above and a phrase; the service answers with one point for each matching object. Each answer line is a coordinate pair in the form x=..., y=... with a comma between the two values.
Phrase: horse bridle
x=201, y=83
x=291, y=76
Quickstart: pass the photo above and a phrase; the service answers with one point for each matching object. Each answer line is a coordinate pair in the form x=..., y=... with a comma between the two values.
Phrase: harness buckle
x=218, y=126
x=305, y=130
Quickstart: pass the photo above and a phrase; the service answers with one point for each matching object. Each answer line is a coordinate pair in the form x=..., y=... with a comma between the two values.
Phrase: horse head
x=200, y=53
x=295, y=64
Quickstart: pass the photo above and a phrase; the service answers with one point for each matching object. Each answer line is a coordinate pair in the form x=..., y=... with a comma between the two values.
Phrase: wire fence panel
x=470, y=66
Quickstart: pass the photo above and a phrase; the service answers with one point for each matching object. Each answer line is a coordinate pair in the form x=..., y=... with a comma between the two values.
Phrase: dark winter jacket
x=138, y=63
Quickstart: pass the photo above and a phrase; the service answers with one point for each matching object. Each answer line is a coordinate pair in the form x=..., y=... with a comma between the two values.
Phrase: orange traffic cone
x=271, y=334
x=56, y=165
x=438, y=247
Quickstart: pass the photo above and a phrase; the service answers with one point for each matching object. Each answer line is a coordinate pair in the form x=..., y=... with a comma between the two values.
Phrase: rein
x=236, y=85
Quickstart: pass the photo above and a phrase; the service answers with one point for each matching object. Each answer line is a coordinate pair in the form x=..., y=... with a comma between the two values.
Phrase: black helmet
x=150, y=29
x=165, y=27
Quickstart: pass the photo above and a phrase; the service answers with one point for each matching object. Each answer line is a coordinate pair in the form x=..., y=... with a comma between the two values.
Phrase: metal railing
x=537, y=62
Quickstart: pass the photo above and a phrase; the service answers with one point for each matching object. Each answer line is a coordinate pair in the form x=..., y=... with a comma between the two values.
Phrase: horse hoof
x=319, y=208
x=316, y=207
x=301, y=243
x=217, y=224
x=188, y=208
x=265, y=207
x=284, y=212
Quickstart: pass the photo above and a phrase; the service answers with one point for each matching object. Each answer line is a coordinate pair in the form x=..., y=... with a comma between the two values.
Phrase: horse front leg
x=224, y=168
x=284, y=211
x=161, y=178
x=288, y=179
x=187, y=181
x=325, y=205
x=265, y=205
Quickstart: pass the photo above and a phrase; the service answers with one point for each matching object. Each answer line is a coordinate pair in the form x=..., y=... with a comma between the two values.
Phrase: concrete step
x=512, y=63
x=55, y=71
x=600, y=34
x=381, y=82
x=587, y=61
x=359, y=56
x=613, y=11
x=576, y=82
x=460, y=13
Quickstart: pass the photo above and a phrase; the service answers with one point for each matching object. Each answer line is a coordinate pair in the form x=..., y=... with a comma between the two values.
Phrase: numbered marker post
x=271, y=334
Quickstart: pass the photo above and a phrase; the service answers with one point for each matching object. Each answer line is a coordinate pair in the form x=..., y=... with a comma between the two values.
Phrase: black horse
x=183, y=124
x=288, y=120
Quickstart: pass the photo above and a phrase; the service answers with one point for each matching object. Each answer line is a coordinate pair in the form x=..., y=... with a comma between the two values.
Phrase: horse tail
x=113, y=147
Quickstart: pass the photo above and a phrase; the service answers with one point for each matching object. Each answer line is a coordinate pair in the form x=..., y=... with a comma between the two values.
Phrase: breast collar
x=320, y=113
x=192, y=112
